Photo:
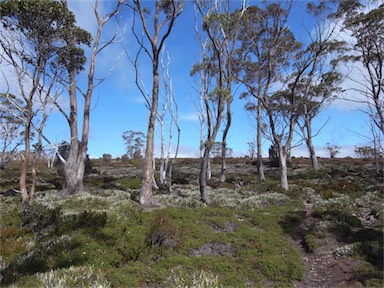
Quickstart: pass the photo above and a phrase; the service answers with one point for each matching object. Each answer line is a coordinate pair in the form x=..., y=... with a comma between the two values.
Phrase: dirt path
x=324, y=268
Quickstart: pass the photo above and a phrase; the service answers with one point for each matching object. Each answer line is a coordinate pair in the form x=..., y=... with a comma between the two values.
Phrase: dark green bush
x=40, y=218
x=86, y=219
x=291, y=223
x=162, y=232
x=370, y=245
x=310, y=243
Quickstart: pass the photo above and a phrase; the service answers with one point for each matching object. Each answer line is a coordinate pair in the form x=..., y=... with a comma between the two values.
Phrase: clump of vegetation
x=80, y=276
x=203, y=279
x=310, y=243
x=162, y=233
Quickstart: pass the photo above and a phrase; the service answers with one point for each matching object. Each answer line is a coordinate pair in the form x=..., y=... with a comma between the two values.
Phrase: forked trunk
x=74, y=170
x=312, y=153
x=308, y=141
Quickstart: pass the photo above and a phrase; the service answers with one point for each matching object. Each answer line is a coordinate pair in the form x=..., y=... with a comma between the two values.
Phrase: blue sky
x=117, y=105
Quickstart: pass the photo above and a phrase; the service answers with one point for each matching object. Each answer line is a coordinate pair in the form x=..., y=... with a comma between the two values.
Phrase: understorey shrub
x=86, y=219
x=40, y=218
x=162, y=232
x=291, y=222
x=81, y=276
x=107, y=158
x=310, y=243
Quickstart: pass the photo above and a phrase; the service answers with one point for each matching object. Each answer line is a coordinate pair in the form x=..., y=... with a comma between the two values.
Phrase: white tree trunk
x=283, y=169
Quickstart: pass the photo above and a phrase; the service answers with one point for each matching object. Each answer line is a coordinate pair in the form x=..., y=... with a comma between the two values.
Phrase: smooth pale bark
x=259, y=160
x=156, y=44
x=24, y=162
x=314, y=161
x=307, y=135
x=74, y=166
x=223, y=173
x=283, y=169
x=204, y=196
x=25, y=197
x=145, y=197
x=311, y=149
x=74, y=175
x=209, y=170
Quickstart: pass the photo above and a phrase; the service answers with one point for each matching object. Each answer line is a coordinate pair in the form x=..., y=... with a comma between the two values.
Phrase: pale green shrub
x=203, y=279
x=83, y=276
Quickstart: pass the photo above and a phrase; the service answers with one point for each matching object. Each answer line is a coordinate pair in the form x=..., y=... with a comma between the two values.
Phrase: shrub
x=86, y=219
x=73, y=277
x=124, y=158
x=40, y=218
x=162, y=232
x=107, y=158
x=291, y=222
x=180, y=278
x=309, y=243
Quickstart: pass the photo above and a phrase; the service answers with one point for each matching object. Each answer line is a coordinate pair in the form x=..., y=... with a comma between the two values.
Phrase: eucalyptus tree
x=73, y=59
x=10, y=128
x=134, y=143
x=366, y=26
x=316, y=78
x=221, y=28
x=170, y=109
x=33, y=38
x=254, y=63
x=268, y=49
x=157, y=26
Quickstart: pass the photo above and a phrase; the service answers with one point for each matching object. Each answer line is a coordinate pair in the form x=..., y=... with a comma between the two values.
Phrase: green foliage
x=134, y=142
x=50, y=27
x=332, y=150
x=370, y=245
x=244, y=240
x=290, y=223
x=131, y=246
x=326, y=194
x=310, y=243
x=350, y=187
x=40, y=218
x=80, y=276
x=161, y=231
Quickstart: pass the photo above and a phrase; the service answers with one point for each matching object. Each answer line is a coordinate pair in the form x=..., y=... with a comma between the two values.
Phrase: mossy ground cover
x=243, y=240
x=132, y=247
